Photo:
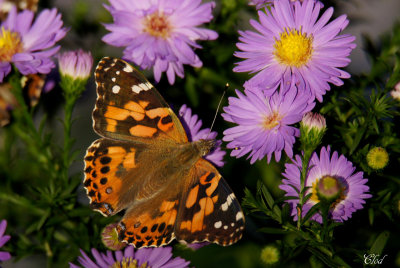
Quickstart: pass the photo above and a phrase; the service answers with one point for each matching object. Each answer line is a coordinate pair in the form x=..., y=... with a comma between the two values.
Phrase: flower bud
x=396, y=92
x=75, y=69
x=109, y=237
x=377, y=158
x=270, y=255
x=312, y=129
x=75, y=64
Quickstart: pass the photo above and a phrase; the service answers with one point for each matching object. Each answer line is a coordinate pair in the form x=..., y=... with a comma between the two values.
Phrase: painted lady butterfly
x=146, y=165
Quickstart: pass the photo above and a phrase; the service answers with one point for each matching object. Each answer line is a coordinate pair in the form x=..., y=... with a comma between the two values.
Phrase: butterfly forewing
x=129, y=108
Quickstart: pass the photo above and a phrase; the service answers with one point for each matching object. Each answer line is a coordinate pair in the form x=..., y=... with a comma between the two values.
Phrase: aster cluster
x=295, y=54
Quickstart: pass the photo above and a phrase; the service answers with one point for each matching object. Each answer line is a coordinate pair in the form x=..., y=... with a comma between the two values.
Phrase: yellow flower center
x=10, y=44
x=293, y=48
x=271, y=121
x=377, y=158
x=157, y=25
x=128, y=263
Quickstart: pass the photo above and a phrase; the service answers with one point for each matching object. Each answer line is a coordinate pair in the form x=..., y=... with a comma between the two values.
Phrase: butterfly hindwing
x=209, y=211
x=150, y=224
x=129, y=108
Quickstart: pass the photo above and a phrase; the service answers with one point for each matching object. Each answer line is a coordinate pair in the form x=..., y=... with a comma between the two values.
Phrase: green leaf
x=379, y=243
x=190, y=88
x=270, y=230
x=371, y=214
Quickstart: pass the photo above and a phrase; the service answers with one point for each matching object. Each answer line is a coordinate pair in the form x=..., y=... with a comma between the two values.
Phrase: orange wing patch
x=141, y=229
x=106, y=162
x=210, y=210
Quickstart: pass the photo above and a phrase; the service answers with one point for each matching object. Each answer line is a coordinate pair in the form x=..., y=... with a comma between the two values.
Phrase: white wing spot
x=239, y=216
x=149, y=85
x=225, y=227
x=117, y=72
x=144, y=86
x=113, y=79
x=218, y=224
x=136, y=89
x=232, y=224
x=128, y=69
x=228, y=202
x=115, y=89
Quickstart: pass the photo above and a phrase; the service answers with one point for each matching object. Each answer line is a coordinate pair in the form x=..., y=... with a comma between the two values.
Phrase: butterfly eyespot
x=109, y=190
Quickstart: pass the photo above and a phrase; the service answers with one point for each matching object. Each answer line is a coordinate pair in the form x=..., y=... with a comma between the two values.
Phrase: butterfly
x=145, y=164
x=6, y=5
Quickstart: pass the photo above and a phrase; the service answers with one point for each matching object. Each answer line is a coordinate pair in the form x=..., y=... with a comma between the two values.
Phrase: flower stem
x=304, y=171
x=68, y=141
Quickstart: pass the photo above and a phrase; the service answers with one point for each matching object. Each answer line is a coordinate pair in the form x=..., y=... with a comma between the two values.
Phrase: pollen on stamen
x=294, y=48
x=157, y=24
x=10, y=44
x=271, y=121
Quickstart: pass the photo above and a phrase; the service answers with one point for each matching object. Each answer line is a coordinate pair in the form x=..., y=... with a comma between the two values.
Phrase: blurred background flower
x=29, y=46
x=4, y=239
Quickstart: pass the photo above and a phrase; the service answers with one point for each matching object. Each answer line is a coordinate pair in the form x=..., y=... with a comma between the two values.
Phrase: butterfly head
x=204, y=146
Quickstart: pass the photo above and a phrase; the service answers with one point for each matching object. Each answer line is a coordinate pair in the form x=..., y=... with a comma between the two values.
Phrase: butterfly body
x=146, y=165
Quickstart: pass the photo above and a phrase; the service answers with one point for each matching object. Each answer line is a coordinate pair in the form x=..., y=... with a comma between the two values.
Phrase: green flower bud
x=377, y=158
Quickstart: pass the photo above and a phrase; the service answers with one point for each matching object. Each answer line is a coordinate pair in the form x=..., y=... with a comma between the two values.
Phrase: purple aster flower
x=29, y=46
x=3, y=239
x=264, y=122
x=351, y=186
x=76, y=64
x=192, y=125
x=160, y=33
x=292, y=41
x=148, y=257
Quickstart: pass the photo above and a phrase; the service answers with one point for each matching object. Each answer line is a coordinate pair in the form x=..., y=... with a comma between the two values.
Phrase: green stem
x=304, y=170
x=69, y=106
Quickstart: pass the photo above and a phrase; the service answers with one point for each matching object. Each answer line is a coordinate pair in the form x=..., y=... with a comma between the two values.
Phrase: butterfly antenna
x=219, y=105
